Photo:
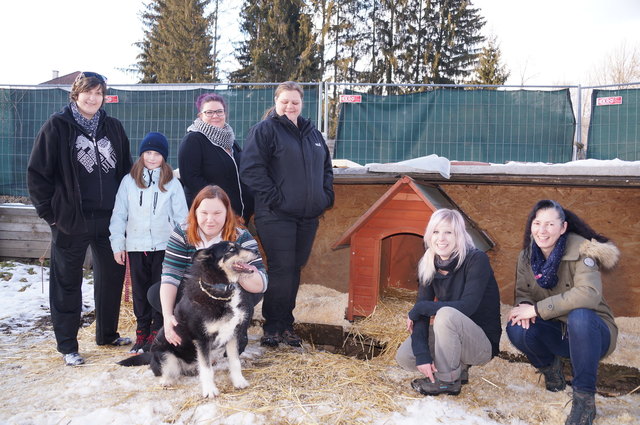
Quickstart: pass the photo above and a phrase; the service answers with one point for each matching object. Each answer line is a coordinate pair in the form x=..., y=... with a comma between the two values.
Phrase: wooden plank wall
x=22, y=233
x=500, y=211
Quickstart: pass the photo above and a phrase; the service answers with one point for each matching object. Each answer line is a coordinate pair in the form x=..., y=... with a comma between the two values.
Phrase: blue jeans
x=586, y=341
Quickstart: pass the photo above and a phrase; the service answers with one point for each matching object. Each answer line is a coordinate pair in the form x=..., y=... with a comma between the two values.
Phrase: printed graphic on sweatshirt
x=87, y=154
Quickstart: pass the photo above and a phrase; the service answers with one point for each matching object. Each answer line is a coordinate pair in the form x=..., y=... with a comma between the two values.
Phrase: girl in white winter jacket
x=149, y=204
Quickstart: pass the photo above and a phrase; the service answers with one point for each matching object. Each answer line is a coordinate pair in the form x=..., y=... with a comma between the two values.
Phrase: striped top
x=179, y=254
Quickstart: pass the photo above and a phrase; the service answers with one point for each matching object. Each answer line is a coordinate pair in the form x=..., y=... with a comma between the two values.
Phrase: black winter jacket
x=472, y=289
x=288, y=168
x=52, y=172
x=202, y=163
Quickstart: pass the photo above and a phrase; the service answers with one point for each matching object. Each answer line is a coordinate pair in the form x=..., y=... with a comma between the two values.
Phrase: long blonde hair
x=463, y=243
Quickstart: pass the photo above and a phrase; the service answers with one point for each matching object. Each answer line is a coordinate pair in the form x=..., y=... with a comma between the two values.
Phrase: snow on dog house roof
x=405, y=209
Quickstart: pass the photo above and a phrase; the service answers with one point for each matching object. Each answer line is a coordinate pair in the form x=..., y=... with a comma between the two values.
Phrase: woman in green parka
x=560, y=309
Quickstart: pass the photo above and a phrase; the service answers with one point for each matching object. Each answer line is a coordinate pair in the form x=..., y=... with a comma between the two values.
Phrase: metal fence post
x=326, y=109
x=578, y=141
x=319, y=112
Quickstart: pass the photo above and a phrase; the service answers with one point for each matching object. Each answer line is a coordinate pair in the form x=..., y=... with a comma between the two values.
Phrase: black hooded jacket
x=60, y=191
x=288, y=168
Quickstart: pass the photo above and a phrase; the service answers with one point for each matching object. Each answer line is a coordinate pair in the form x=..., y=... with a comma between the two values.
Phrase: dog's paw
x=210, y=392
x=166, y=382
x=240, y=382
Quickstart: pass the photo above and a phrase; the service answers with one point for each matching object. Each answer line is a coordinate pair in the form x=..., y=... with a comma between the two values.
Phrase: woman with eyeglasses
x=560, y=310
x=78, y=159
x=209, y=155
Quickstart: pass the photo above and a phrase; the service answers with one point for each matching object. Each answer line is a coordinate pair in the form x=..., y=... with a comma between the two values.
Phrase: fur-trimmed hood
x=607, y=254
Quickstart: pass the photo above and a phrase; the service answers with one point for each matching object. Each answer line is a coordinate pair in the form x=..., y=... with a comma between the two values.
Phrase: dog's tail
x=138, y=360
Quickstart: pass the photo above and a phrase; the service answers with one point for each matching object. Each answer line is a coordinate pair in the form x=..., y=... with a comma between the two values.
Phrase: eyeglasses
x=210, y=113
x=88, y=74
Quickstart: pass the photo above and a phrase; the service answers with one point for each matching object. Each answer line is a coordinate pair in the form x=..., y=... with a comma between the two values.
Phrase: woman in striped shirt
x=211, y=220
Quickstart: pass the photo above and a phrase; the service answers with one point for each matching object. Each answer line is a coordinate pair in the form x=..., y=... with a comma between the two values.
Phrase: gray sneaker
x=425, y=387
x=72, y=359
x=120, y=341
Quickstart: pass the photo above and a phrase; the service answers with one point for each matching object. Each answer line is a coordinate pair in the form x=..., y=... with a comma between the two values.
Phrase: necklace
x=213, y=296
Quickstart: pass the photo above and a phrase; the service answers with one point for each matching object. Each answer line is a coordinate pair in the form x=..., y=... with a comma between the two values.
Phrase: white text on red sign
x=111, y=99
x=612, y=100
x=350, y=98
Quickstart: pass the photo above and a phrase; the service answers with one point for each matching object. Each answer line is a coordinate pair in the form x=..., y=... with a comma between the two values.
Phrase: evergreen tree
x=279, y=43
x=177, y=43
x=346, y=33
x=454, y=41
x=489, y=70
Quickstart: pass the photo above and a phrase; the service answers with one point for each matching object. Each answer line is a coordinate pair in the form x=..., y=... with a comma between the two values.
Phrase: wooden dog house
x=386, y=242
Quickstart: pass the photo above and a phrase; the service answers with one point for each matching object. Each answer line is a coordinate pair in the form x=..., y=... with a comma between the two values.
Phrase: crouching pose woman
x=560, y=310
x=459, y=292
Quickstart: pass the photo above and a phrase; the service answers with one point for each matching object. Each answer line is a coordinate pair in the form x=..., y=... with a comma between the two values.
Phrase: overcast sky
x=543, y=42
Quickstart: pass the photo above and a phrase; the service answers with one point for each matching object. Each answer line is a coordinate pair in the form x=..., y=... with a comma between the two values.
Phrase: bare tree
x=621, y=66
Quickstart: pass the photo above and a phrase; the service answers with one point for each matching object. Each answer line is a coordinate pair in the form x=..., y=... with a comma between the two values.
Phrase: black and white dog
x=212, y=313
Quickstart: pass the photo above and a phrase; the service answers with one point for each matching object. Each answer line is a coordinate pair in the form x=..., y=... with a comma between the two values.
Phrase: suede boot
x=553, y=376
x=583, y=409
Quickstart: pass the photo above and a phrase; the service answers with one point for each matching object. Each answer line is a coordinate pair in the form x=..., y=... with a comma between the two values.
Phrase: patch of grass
x=24, y=288
x=24, y=279
x=31, y=271
x=7, y=264
x=6, y=276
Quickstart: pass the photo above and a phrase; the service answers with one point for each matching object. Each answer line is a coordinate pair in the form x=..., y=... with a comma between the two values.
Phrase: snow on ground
x=36, y=388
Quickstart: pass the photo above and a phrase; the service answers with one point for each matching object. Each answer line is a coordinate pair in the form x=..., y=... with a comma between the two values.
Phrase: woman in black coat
x=287, y=166
x=209, y=155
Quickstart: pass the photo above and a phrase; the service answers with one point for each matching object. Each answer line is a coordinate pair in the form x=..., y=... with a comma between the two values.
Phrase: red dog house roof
x=386, y=241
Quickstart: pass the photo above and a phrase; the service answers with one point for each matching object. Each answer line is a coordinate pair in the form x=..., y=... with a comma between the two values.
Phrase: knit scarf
x=90, y=126
x=222, y=137
x=546, y=270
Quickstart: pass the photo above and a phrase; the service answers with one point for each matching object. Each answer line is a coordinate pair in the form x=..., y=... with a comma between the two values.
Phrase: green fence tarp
x=23, y=111
x=614, y=127
x=466, y=125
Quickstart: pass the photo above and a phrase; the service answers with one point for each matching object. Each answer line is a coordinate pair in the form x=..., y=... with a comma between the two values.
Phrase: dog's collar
x=214, y=285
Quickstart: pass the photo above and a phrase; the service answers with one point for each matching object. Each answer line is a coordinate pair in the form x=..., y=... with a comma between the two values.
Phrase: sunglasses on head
x=88, y=74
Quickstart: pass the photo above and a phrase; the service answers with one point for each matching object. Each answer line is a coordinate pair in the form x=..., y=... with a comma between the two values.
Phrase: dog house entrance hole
x=399, y=257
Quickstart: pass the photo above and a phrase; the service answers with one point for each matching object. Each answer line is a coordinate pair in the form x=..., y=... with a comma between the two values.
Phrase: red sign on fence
x=606, y=101
x=111, y=99
x=350, y=98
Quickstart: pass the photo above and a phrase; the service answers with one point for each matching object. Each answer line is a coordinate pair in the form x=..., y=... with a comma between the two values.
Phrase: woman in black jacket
x=287, y=165
x=209, y=155
x=459, y=292
x=78, y=159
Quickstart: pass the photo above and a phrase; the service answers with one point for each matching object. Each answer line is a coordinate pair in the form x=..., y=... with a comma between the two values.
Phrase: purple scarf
x=546, y=271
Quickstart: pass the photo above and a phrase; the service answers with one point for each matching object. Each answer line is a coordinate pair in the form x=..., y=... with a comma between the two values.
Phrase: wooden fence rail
x=22, y=233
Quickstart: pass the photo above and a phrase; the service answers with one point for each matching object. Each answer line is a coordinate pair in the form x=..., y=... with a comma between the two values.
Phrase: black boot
x=583, y=409
x=553, y=376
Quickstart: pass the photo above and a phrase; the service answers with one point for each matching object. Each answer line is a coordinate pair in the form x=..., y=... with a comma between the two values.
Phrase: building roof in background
x=65, y=79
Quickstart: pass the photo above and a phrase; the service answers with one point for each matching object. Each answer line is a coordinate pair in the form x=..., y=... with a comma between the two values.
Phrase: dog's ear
x=219, y=250
x=199, y=255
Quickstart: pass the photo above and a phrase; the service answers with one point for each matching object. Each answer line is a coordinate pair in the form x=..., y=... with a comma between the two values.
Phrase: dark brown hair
x=574, y=223
x=86, y=81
